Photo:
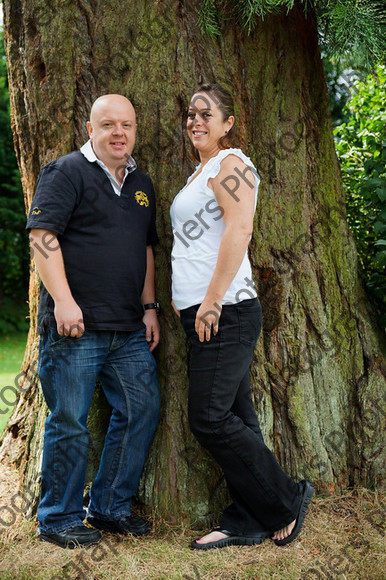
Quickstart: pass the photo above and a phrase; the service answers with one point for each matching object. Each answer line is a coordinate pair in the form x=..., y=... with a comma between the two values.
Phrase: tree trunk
x=317, y=377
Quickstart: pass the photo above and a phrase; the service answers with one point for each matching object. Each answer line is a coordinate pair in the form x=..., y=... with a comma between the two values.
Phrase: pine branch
x=345, y=26
x=207, y=17
x=357, y=27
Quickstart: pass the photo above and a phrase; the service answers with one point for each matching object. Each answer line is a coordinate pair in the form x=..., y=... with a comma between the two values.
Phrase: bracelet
x=151, y=306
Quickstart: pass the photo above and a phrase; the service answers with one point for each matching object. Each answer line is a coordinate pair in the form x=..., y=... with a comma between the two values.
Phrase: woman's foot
x=218, y=538
x=213, y=536
x=289, y=533
x=284, y=532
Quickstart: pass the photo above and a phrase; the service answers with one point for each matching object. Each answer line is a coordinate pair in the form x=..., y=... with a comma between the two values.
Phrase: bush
x=361, y=147
x=14, y=254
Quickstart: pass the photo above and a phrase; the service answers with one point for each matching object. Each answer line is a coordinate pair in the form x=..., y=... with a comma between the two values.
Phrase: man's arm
x=148, y=295
x=50, y=265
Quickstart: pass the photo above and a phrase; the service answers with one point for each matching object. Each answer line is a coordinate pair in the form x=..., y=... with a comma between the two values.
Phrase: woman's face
x=205, y=123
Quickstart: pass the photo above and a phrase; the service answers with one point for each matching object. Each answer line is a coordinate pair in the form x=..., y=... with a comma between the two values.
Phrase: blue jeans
x=68, y=370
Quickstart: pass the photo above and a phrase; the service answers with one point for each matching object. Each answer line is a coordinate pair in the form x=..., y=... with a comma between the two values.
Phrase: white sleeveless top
x=198, y=227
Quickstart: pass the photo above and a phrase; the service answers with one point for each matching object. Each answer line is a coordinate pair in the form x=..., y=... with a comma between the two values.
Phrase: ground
x=342, y=539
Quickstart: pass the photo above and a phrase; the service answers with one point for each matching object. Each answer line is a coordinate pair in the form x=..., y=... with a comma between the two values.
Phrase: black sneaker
x=129, y=525
x=73, y=537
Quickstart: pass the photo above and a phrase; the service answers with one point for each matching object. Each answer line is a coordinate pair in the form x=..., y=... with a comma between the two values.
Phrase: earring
x=226, y=132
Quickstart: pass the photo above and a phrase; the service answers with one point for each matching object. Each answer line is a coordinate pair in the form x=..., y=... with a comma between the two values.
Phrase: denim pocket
x=56, y=340
x=250, y=322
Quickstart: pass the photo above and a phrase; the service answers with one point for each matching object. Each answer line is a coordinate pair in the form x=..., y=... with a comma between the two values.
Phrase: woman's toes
x=284, y=532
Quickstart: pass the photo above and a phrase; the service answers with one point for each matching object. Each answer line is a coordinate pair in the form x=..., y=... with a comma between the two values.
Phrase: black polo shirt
x=103, y=238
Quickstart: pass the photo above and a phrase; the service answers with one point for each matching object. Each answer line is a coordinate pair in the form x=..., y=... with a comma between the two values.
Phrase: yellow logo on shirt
x=36, y=211
x=141, y=198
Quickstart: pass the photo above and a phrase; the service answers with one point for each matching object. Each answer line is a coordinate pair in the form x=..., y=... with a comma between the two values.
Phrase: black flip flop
x=308, y=492
x=231, y=540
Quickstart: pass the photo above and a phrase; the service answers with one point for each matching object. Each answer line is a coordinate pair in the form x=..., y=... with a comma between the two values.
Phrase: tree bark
x=317, y=373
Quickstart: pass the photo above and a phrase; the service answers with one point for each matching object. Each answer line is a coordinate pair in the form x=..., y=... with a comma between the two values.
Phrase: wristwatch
x=151, y=306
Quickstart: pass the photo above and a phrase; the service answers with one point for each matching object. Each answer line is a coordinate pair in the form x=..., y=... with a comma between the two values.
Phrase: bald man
x=92, y=228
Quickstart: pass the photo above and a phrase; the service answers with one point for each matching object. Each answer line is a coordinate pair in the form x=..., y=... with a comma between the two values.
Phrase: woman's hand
x=175, y=309
x=207, y=318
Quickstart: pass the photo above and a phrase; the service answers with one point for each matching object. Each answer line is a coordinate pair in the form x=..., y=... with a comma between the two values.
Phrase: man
x=92, y=226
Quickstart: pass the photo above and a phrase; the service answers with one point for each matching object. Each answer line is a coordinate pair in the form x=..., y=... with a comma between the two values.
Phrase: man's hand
x=69, y=318
x=150, y=320
x=207, y=317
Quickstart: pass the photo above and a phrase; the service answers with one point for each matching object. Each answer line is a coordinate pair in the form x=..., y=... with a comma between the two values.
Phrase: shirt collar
x=88, y=152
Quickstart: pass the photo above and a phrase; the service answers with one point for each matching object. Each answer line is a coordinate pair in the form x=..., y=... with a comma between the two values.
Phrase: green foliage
x=340, y=77
x=353, y=27
x=245, y=12
x=208, y=17
x=361, y=148
x=13, y=239
x=345, y=26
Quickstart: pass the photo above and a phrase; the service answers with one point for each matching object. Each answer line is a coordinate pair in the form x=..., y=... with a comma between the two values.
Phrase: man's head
x=112, y=127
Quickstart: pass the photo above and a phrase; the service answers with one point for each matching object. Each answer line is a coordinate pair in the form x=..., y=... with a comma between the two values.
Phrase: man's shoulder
x=139, y=174
x=67, y=163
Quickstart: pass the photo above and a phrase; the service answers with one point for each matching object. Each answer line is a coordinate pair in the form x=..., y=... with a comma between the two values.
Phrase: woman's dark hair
x=224, y=100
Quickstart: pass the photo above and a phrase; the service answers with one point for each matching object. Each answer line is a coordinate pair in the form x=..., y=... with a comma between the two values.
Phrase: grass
x=342, y=538
x=12, y=348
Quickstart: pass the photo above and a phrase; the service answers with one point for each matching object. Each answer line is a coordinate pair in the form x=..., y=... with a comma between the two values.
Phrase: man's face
x=112, y=129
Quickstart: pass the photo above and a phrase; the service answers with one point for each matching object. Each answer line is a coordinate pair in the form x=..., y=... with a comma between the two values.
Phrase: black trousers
x=222, y=418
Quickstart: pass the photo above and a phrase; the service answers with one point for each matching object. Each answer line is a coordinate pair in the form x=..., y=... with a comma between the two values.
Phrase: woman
x=213, y=293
